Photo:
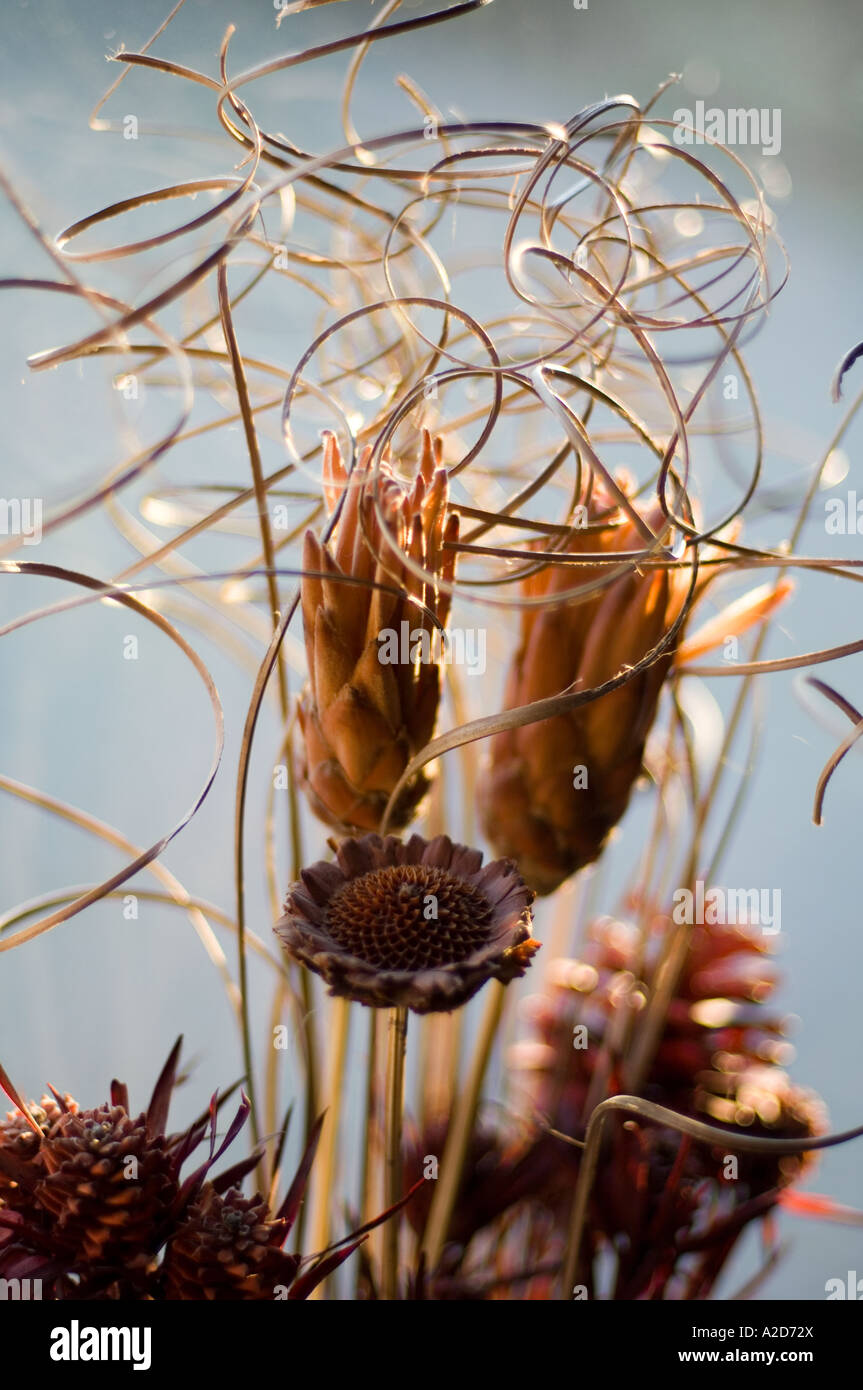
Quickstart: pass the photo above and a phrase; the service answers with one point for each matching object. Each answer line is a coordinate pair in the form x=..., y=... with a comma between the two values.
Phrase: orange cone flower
x=554, y=789
x=366, y=712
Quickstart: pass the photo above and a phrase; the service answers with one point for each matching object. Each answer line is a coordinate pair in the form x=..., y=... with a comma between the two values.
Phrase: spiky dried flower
x=19, y=1143
x=669, y=1209
x=532, y=806
x=228, y=1247
x=365, y=716
x=108, y=1186
x=500, y=1171
x=421, y=923
x=94, y=1206
x=718, y=1034
x=89, y=1205
x=659, y=1197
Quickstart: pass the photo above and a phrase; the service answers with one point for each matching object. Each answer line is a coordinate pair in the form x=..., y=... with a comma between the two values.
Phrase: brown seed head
x=553, y=790
x=365, y=715
x=380, y=917
x=107, y=1184
x=421, y=923
x=227, y=1247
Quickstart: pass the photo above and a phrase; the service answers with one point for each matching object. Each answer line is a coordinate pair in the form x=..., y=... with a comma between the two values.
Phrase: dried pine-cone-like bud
x=228, y=1247
x=373, y=685
x=554, y=789
x=88, y=1204
x=421, y=924
x=660, y=1196
x=19, y=1149
x=721, y=1051
x=108, y=1185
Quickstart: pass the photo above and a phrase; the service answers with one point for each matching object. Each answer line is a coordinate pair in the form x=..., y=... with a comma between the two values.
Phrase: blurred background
x=130, y=741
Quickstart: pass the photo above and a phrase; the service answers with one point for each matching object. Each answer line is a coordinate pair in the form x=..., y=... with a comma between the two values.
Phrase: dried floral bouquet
x=501, y=624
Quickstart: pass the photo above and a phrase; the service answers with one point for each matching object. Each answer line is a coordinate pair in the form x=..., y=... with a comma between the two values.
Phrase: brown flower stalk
x=366, y=714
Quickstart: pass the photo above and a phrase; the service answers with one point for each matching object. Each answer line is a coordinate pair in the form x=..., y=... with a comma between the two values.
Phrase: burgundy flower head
x=93, y=1204
x=419, y=923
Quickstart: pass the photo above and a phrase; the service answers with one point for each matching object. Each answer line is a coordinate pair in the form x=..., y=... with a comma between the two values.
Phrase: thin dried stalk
x=460, y=1130
x=327, y=1163
x=395, y=1100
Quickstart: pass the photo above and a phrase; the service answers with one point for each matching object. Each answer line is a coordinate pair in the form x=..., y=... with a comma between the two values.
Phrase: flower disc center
x=409, y=917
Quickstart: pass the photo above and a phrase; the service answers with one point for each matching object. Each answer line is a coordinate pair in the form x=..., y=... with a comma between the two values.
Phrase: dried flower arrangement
x=441, y=465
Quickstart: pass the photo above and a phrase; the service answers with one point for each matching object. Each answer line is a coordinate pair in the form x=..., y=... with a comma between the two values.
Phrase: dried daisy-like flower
x=417, y=924
x=373, y=683
x=554, y=789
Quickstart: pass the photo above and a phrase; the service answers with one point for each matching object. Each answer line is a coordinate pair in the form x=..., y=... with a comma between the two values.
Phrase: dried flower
x=19, y=1144
x=90, y=1200
x=497, y=1172
x=108, y=1185
x=717, y=1033
x=228, y=1247
x=554, y=789
x=95, y=1207
x=365, y=715
x=420, y=924
x=658, y=1196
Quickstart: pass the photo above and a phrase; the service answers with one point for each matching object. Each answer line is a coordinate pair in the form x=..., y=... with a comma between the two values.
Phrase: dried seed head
x=553, y=790
x=19, y=1150
x=227, y=1248
x=108, y=1186
x=365, y=716
x=421, y=924
x=384, y=917
x=718, y=1057
x=88, y=1205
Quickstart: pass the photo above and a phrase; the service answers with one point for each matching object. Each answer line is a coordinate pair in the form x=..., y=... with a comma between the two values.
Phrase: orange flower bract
x=363, y=719
x=554, y=789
